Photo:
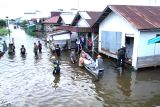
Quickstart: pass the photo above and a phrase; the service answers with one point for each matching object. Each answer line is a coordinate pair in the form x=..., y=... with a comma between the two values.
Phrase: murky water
x=28, y=82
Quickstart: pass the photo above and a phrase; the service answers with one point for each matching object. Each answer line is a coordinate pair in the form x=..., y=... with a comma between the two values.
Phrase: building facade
x=129, y=26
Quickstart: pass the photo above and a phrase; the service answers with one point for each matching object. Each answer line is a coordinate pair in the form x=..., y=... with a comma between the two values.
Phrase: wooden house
x=130, y=26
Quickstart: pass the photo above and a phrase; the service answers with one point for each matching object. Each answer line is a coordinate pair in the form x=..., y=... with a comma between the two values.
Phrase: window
x=111, y=41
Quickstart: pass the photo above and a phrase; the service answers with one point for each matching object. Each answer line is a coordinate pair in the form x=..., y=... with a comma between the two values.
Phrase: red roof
x=51, y=20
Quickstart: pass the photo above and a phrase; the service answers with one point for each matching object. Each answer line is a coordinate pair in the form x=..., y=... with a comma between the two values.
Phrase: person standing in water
x=23, y=50
x=58, y=50
x=4, y=46
x=39, y=47
x=35, y=49
x=100, y=65
x=73, y=56
x=121, y=56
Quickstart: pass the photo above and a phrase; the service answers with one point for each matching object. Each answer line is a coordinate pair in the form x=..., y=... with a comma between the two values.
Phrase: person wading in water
x=23, y=50
x=39, y=47
x=35, y=49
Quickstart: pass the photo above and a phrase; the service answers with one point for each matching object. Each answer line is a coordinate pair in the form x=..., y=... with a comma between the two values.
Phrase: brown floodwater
x=28, y=81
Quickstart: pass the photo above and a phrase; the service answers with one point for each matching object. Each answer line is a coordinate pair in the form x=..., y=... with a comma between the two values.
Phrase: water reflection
x=124, y=84
x=56, y=80
x=11, y=56
x=23, y=56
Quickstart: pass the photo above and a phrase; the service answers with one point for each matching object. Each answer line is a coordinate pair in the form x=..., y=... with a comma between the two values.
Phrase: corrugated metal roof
x=75, y=20
x=142, y=17
x=94, y=16
x=54, y=19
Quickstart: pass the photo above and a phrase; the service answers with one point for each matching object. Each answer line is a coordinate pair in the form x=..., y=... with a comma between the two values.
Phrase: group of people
x=35, y=49
x=80, y=44
x=84, y=59
x=97, y=67
x=23, y=49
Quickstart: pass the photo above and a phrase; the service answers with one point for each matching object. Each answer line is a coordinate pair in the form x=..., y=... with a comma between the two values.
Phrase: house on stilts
x=130, y=26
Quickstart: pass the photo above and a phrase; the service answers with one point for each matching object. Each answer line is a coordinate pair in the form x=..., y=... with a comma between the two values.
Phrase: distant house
x=57, y=36
x=45, y=26
x=67, y=18
x=40, y=27
x=131, y=26
x=82, y=25
x=50, y=25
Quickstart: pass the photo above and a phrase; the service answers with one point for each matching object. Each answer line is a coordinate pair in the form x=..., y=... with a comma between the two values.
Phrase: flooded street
x=29, y=82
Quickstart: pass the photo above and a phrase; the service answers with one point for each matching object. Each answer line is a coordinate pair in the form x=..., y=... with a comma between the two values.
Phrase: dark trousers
x=100, y=73
x=22, y=53
x=90, y=47
x=40, y=50
x=35, y=53
x=121, y=60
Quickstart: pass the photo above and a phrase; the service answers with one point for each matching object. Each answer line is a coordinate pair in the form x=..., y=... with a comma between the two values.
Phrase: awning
x=58, y=33
x=154, y=40
x=77, y=29
x=62, y=37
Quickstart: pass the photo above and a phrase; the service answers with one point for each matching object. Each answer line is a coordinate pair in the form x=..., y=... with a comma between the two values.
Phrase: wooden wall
x=148, y=61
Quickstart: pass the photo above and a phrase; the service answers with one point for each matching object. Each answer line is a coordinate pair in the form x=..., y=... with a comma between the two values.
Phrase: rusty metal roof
x=93, y=14
x=75, y=20
x=142, y=17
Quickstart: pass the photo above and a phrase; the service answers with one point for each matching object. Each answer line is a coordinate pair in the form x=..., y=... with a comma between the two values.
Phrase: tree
x=23, y=23
x=2, y=23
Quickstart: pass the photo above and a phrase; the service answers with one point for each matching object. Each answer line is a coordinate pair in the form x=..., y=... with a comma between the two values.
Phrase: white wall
x=82, y=23
x=146, y=49
x=116, y=23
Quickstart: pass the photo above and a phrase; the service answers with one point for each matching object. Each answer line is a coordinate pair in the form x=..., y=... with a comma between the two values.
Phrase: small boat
x=90, y=65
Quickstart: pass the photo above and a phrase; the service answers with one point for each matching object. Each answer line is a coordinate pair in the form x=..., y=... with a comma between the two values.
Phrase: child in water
x=73, y=56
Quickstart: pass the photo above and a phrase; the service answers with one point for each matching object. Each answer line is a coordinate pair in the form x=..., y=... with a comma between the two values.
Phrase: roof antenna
x=155, y=2
x=78, y=5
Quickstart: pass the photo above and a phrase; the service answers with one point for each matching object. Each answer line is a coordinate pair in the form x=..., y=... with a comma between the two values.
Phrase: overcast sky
x=16, y=8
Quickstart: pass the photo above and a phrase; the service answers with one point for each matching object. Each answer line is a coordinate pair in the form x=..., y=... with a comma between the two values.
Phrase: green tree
x=2, y=23
x=4, y=32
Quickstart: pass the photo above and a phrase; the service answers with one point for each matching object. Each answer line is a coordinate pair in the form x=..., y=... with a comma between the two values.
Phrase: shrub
x=3, y=32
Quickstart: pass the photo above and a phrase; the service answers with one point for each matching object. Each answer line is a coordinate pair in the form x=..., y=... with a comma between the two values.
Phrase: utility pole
x=11, y=48
x=78, y=5
x=8, y=28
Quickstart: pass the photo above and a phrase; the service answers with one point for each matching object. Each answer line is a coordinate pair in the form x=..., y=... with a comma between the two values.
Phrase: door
x=129, y=41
